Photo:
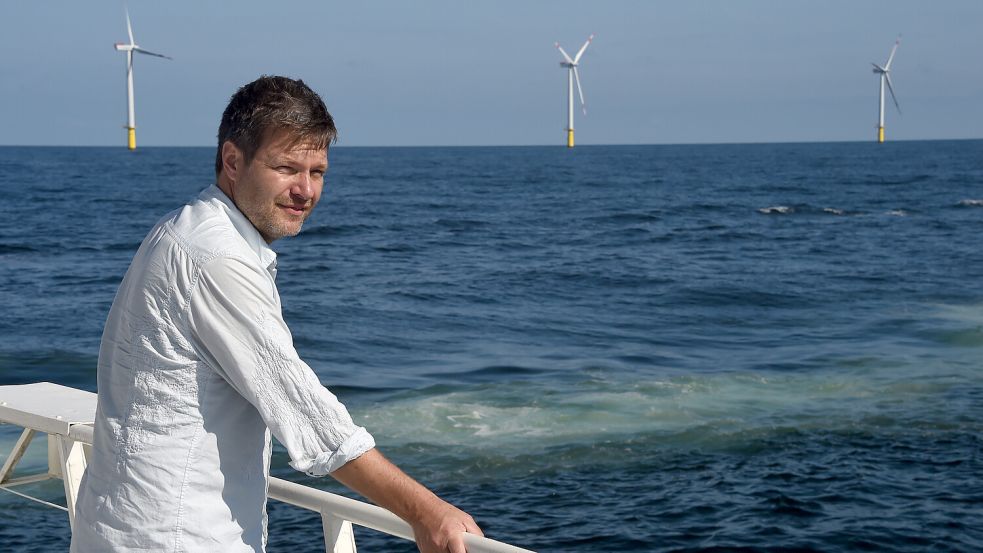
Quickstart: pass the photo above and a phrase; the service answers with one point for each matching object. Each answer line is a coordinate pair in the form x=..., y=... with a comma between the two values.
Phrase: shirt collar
x=245, y=228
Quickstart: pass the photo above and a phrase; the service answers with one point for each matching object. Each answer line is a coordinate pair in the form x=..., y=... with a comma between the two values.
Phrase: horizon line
x=552, y=145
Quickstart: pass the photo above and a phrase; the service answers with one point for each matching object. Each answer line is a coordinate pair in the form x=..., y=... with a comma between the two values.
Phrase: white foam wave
x=898, y=213
x=777, y=209
x=833, y=211
x=971, y=203
x=529, y=417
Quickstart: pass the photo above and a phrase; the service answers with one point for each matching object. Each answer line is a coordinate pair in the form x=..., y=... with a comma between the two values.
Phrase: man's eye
x=317, y=174
x=285, y=169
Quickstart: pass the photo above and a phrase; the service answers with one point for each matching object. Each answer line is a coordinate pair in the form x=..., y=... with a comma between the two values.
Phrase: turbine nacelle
x=132, y=46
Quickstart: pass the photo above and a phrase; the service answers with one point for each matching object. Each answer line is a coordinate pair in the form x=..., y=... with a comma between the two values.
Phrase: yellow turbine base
x=569, y=138
x=880, y=134
x=131, y=138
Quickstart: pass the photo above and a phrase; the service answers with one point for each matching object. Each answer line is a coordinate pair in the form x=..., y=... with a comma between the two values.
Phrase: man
x=197, y=367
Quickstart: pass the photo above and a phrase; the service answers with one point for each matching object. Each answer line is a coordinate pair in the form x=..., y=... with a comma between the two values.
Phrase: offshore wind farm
x=682, y=75
x=730, y=318
x=569, y=63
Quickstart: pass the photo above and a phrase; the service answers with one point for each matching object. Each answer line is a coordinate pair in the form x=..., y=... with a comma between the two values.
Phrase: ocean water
x=622, y=348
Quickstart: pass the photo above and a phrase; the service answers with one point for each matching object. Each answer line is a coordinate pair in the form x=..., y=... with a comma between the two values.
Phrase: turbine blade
x=878, y=68
x=891, y=88
x=129, y=28
x=562, y=51
x=887, y=66
x=149, y=53
x=580, y=91
x=582, y=48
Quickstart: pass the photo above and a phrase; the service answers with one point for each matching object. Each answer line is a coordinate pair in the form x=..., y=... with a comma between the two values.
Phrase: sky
x=442, y=72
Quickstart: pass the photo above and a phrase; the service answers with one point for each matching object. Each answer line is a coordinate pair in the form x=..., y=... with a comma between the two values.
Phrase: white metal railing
x=69, y=443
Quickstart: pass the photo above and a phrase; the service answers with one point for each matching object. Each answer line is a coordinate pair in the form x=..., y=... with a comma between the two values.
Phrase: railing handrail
x=367, y=515
x=354, y=511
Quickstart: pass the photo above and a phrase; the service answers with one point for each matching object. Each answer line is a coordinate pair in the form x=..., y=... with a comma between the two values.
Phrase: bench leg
x=15, y=454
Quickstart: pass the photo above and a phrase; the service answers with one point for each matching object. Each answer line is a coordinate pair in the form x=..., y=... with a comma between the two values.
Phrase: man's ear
x=233, y=160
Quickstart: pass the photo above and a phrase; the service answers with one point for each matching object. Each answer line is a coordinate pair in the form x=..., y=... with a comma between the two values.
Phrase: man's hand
x=437, y=525
x=441, y=529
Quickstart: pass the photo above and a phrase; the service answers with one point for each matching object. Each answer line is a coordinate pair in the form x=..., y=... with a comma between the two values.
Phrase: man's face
x=279, y=187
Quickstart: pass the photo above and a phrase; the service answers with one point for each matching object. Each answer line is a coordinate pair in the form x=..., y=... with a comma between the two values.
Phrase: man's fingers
x=472, y=528
x=456, y=544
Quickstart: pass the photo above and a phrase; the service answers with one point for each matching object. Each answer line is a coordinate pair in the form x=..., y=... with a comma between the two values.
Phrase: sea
x=754, y=347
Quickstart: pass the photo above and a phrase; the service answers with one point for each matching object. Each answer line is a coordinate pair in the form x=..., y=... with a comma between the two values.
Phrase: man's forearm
x=437, y=525
x=385, y=484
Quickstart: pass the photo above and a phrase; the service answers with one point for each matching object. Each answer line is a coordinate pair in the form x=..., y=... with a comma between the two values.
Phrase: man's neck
x=225, y=185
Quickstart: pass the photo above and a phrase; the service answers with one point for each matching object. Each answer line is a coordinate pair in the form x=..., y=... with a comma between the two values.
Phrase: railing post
x=54, y=457
x=339, y=537
x=73, y=463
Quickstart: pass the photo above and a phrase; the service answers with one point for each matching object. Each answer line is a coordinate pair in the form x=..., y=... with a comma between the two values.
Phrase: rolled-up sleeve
x=238, y=329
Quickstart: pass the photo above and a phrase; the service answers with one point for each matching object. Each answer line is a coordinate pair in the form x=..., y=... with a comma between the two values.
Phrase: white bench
x=53, y=410
x=66, y=414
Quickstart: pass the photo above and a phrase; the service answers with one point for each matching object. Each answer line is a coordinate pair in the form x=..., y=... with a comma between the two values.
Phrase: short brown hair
x=273, y=103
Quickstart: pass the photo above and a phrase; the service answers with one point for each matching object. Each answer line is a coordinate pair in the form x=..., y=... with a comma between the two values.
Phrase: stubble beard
x=272, y=223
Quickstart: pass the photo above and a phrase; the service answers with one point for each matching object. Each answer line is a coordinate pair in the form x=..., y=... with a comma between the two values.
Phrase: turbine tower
x=885, y=77
x=571, y=66
x=131, y=134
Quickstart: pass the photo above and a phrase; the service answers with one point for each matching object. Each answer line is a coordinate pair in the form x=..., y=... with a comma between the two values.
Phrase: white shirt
x=196, y=368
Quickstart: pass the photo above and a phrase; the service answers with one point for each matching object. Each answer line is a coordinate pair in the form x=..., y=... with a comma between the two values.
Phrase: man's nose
x=304, y=186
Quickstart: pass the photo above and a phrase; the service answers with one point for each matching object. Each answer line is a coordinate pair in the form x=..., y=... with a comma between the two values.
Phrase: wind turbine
x=571, y=65
x=885, y=75
x=129, y=49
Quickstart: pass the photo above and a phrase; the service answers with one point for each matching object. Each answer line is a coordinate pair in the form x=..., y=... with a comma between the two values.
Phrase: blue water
x=625, y=348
